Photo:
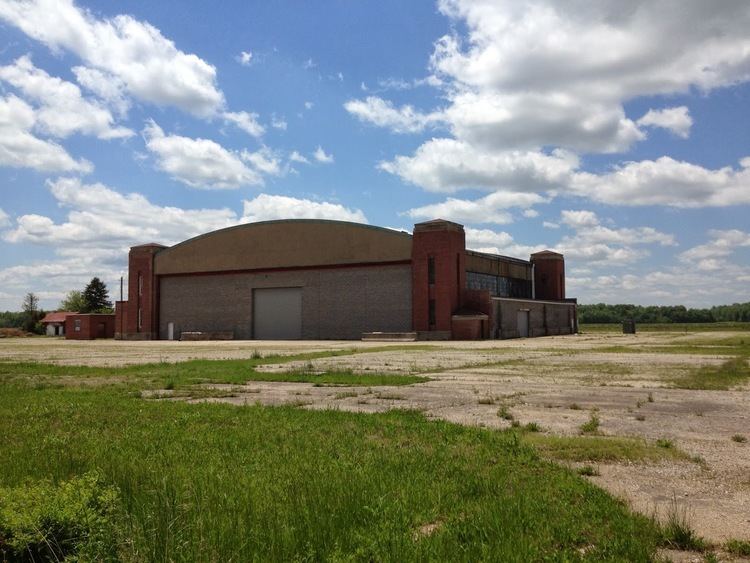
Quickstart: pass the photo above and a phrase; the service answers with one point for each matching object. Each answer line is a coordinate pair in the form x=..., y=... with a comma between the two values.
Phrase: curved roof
x=284, y=244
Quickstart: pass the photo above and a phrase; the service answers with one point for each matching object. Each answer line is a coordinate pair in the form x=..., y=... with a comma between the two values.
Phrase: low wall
x=544, y=318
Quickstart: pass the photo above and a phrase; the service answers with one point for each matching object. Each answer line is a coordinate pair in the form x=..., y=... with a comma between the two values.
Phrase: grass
x=729, y=374
x=664, y=327
x=740, y=548
x=677, y=532
x=739, y=438
x=602, y=449
x=591, y=426
x=212, y=482
x=193, y=372
x=588, y=471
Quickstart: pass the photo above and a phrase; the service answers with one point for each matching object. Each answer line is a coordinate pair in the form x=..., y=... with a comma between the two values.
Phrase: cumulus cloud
x=130, y=52
x=594, y=243
x=20, y=148
x=529, y=77
x=278, y=123
x=246, y=121
x=267, y=207
x=321, y=156
x=713, y=254
x=199, y=163
x=109, y=88
x=295, y=156
x=448, y=165
x=63, y=110
x=489, y=209
x=677, y=120
x=4, y=219
x=502, y=243
x=667, y=181
x=382, y=113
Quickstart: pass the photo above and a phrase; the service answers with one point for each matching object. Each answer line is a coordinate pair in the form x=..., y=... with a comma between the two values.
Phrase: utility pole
x=122, y=312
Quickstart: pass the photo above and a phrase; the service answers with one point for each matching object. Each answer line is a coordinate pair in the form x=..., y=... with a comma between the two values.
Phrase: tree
x=73, y=302
x=31, y=312
x=96, y=297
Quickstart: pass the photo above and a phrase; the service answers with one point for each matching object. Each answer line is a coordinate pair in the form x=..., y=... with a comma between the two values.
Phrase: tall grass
x=211, y=482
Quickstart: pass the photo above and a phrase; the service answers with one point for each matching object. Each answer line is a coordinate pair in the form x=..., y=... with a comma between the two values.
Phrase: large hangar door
x=277, y=313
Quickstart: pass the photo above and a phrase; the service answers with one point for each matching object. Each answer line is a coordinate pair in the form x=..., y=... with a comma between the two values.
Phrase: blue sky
x=615, y=132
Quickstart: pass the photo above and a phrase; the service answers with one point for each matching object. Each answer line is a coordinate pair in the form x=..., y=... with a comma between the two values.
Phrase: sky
x=614, y=132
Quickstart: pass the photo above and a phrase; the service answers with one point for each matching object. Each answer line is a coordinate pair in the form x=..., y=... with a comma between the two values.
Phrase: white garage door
x=277, y=313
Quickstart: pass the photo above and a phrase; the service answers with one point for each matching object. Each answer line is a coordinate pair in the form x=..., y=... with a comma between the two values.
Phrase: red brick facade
x=89, y=326
x=140, y=314
x=438, y=274
x=549, y=275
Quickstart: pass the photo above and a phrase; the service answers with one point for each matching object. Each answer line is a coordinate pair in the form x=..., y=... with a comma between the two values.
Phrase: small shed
x=89, y=326
x=54, y=323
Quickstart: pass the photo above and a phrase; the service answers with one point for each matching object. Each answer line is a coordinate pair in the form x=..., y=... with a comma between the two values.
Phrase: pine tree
x=96, y=297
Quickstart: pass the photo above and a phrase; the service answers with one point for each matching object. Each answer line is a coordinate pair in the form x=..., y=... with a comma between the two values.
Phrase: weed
x=729, y=374
x=677, y=532
x=532, y=427
x=574, y=407
x=738, y=547
x=486, y=400
x=665, y=443
x=640, y=417
x=650, y=397
x=591, y=426
x=345, y=395
x=390, y=396
x=739, y=438
x=504, y=413
x=169, y=385
x=638, y=404
x=588, y=471
x=515, y=424
x=256, y=355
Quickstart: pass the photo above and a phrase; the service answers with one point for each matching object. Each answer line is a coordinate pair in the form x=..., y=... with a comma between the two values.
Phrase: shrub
x=42, y=521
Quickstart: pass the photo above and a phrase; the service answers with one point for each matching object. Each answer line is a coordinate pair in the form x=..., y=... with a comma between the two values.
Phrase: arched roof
x=284, y=244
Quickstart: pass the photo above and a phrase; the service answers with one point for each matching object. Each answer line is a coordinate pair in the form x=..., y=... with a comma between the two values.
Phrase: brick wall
x=337, y=303
x=141, y=317
x=444, y=243
x=89, y=326
x=546, y=318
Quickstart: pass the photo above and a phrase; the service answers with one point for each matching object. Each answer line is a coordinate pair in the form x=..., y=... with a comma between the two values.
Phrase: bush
x=75, y=520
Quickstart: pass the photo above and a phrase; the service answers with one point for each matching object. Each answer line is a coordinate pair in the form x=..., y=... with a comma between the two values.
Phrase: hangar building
x=318, y=279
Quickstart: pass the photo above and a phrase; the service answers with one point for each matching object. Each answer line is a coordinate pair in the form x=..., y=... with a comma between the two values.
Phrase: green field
x=89, y=469
x=598, y=328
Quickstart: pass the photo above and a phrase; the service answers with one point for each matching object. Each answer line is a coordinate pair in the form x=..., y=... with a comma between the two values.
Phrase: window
x=431, y=270
x=140, y=284
x=77, y=325
x=140, y=323
x=431, y=312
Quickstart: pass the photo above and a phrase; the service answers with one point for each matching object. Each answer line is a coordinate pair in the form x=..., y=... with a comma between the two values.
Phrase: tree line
x=94, y=298
x=603, y=313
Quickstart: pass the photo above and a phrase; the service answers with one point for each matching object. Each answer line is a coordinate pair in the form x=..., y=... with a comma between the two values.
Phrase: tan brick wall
x=339, y=303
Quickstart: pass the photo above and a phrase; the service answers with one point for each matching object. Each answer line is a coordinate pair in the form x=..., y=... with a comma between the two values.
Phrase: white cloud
x=244, y=58
x=502, y=243
x=199, y=163
x=132, y=52
x=107, y=87
x=666, y=181
x=448, y=165
x=246, y=121
x=4, y=219
x=530, y=213
x=297, y=157
x=677, y=120
x=550, y=225
x=489, y=209
x=264, y=161
x=269, y=207
x=713, y=254
x=278, y=123
x=382, y=113
x=63, y=110
x=529, y=77
x=19, y=148
x=321, y=156
x=594, y=243
x=309, y=105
